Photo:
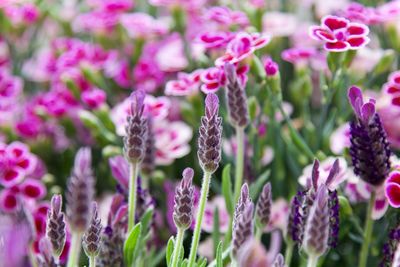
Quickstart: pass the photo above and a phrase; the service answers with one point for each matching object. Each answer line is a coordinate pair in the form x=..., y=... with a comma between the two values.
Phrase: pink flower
x=187, y=84
x=392, y=189
x=24, y=14
x=325, y=167
x=147, y=75
x=170, y=56
x=360, y=13
x=112, y=6
x=339, y=34
x=271, y=67
x=94, y=98
x=120, y=170
x=227, y=17
x=10, y=92
x=118, y=70
x=298, y=56
x=157, y=107
x=241, y=47
x=213, y=79
x=392, y=87
x=279, y=215
x=97, y=22
x=142, y=25
x=215, y=40
x=16, y=162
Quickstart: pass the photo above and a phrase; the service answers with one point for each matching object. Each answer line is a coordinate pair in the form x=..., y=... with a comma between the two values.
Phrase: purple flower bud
x=279, y=261
x=334, y=218
x=369, y=147
x=236, y=98
x=243, y=229
x=55, y=226
x=92, y=238
x=46, y=257
x=263, y=209
x=148, y=164
x=243, y=201
x=136, y=129
x=184, y=199
x=80, y=192
x=271, y=67
x=391, y=248
x=316, y=232
x=210, y=134
x=296, y=221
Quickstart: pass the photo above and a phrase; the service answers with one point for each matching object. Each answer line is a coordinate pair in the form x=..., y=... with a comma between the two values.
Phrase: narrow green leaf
x=146, y=219
x=184, y=263
x=227, y=188
x=202, y=262
x=218, y=256
x=256, y=187
x=216, y=233
x=170, y=250
x=131, y=242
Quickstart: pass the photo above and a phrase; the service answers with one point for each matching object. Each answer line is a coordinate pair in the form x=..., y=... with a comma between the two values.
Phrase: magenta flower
x=212, y=78
x=339, y=34
x=94, y=98
x=22, y=14
x=98, y=22
x=187, y=84
x=279, y=24
x=360, y=13
x=147, y=75
x=271, y=67
x=392, y=189
x=142, y=25
x=392, y=87
x=242, y=47
x=298, y=56
x=227, y=17
x=215, y=40
x=223, y=215
x=112, y=6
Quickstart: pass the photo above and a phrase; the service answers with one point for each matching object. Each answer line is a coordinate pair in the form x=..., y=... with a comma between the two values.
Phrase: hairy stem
x=92, y=261
x=239, y=162
x=312, y=261
x=369, y=223
x=133, y=173
x=177, y=247
x=75, y=249
x=199, y=218
x=288, y=254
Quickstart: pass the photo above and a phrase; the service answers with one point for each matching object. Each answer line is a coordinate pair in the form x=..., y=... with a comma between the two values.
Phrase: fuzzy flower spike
x=55, y=230
x=209, y=154
x=369, y=148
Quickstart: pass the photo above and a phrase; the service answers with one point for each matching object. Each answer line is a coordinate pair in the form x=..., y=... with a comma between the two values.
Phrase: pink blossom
x=118, y=70
x=339, y=34
x=187, y=84
x=147, y=75
x=324, y=169
x=97, y=22
x=298, y=56
x=24, y=14
x=112, y=6
x=360, y=13
x=215, y=40
x=186, y=4
x=212, y=79
x=271, y=67
x=279, y=24
x=223, y=215
x=142, y=25
x=10, y=92
x=242, y=47
x=389, y=114
x=157, y=107
x=392, y=87
x=392, y=189
x=227, y=17
x=94, y=98
x=170, y=56
x=16, y=162
x=120, y=170
x=279, y=215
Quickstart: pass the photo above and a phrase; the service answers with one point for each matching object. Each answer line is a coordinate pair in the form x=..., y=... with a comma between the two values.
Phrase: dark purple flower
x=263, y=208
x=209, y=142
x=184, y=199
x=148, y=163
x=55, y=226
x=92, y=238
x=243, y=229
x=369, y=148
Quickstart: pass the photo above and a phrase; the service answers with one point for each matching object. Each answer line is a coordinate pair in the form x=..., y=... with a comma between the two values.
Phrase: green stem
x=369, y=223
x=75, y=249
x=258, y=233
x=92, y=261
x=199, y=218
x=288, y=254
x=225, y=255
x=295, y=135
x=133, y=173
x=177, y=247
x=239, y=162
x=312, y=261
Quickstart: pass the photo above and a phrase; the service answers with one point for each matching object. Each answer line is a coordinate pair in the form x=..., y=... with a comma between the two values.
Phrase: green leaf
x=227, y=188
x=146, y=219
x=218, y=256
x=170, y=250
x=345, y=208
x=131, y=242
x=202, y=262
x=256, y=187
x=216, y=233
x=184, y=263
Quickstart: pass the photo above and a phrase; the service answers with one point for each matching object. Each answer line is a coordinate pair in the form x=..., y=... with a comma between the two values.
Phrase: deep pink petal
x=337, y=46
x=357, y=42
x=322, y=34
x=334, y=22
x=357, y=29
x=392, y=192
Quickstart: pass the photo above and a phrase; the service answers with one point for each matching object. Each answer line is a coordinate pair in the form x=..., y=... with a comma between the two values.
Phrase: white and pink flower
x=187, y=84
x=339, y=34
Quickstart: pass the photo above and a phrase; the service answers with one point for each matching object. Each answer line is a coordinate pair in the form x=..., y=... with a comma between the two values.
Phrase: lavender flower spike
x=184, y=199
x=136, y=129
x=369, y=148
x=80, y=191
x=263, y=209
x=243, y=201
x=243, y=229
x=236, y=98
x=148, y=163
x=55, y=226
x=92, y=237
x=316, y=232
x=209, y=151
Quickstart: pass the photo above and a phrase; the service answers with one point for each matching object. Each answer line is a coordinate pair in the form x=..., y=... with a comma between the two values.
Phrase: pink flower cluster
x=392, y=87
x=21, y=14
x=10, y=92
x=339, y=34
x=372, y=15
